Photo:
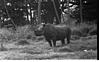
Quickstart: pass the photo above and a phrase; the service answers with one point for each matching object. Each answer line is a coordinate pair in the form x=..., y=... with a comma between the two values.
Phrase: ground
x=38, y=48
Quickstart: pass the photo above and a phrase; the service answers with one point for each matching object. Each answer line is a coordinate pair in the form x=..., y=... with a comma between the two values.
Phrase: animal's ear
x=43, y=24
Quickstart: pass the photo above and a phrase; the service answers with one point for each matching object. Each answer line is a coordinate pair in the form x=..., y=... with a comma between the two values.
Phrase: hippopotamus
x=53, y=33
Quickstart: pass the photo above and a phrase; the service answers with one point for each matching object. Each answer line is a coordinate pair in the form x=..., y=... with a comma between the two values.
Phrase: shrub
x=76, y=32
x=93, y=31
x=24, y=32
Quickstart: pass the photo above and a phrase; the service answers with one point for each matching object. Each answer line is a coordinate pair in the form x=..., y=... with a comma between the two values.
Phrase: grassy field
x=24, y=45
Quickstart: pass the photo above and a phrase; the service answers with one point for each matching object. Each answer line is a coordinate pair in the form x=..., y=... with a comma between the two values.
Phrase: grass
x=22, y=42
x=91, y=54
x=38, y=48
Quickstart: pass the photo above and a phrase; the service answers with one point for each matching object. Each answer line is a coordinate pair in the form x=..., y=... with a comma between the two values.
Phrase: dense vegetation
x=22, y=12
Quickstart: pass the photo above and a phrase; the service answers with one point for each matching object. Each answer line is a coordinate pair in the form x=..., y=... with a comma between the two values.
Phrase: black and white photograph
x=48, y=30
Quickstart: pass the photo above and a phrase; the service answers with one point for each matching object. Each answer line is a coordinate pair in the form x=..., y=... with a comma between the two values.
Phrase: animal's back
x=49, y=31
x=63, y=32
x=56, y=31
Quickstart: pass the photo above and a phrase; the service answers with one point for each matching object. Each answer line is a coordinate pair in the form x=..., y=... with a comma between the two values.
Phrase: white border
x=48, y=60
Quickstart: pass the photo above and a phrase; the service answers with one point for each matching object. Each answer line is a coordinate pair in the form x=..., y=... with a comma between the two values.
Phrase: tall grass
x=22, y=32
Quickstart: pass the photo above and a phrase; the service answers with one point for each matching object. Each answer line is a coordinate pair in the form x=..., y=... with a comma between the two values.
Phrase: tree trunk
x=31, y=20
x=9, y=15
x=81, y=15
x=26, y=9
x=0, y=23
x=56, y=12
x=39, y=11
x=68, y=6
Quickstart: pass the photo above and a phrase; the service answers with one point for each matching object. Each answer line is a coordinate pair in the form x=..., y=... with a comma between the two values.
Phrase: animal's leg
x=68, y=39
x=54, y=43
x=68, y=36
x=50, y=43
x=63, y=41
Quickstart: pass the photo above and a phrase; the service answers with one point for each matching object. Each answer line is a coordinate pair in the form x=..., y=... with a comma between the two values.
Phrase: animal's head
x=39, y=31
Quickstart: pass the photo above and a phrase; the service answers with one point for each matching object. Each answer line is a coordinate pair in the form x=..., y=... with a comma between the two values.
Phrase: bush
x=93, y=31
x=76, y=32
x=6, y=34
x=28, y=36
x=75, y=37
x=84, y=30
x=24, y=32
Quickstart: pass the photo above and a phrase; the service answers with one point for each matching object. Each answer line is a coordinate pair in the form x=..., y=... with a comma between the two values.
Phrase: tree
x=88, y=10
x=51, y=9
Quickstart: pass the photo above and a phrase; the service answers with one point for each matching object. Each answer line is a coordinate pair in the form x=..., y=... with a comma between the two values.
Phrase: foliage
x=88, y=9
x=20, y=10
